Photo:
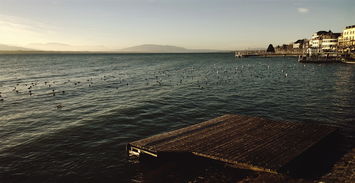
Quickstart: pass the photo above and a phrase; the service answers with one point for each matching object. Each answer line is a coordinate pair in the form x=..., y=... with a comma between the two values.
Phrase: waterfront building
x=346, y=42
x=300, y=45
x=284, y=49
x=330, y=42
x=323, y=42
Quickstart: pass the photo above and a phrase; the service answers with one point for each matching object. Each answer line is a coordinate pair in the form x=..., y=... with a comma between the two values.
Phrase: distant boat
x=347, y=61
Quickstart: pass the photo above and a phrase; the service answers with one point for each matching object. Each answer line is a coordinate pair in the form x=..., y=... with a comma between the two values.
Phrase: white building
x=323, y=42
x=349, y=33
x=300, y=44
x=330, y=44
x=347, y=40
x=315, y=42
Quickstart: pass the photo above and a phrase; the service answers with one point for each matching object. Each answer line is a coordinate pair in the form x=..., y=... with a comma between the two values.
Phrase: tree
x=270, y=48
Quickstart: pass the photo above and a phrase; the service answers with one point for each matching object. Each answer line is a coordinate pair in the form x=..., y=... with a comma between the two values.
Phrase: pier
x=244, y=142
x=320, y=59
x=327, y=58
x=263, y=53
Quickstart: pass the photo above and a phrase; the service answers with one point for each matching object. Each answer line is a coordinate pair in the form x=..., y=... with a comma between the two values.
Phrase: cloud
x=302, y=10
x=23, y=24
x=18, y=31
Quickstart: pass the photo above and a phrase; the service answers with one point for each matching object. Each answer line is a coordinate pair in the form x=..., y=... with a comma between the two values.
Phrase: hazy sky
x=214, y=24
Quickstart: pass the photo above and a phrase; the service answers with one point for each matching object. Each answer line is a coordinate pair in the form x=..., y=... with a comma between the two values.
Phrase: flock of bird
x=44, y=88
x=199, y=78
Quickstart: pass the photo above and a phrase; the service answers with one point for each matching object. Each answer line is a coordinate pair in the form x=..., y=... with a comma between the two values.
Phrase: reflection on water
x=107, y=101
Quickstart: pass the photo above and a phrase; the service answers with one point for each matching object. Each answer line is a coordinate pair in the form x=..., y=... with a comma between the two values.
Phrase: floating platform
x=242, y=141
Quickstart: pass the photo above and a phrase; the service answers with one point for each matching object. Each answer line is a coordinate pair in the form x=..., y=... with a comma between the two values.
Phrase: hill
x=4, y=47
x=65, y=47
x=152, y=48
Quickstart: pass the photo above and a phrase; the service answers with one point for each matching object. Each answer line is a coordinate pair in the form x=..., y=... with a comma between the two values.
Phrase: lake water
x=83, y=109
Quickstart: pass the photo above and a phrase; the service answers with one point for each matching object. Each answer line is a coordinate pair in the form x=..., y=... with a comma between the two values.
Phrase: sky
x=194, y=24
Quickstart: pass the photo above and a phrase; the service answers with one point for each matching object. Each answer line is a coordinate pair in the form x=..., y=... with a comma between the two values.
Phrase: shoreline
x=97, y=52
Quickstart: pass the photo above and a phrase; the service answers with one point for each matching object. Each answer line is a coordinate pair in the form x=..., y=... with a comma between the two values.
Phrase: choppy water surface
x=83, y=109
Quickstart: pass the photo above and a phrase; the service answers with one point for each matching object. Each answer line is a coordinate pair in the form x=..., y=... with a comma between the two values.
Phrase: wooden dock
x=242, y=141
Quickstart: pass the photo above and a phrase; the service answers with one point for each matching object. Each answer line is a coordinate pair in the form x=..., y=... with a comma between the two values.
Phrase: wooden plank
x=246, y=142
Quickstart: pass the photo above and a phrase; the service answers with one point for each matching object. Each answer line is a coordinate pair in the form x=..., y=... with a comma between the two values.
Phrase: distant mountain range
x=64, y=47
x=146, y=48
x=152, y=48
x=4, y=47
